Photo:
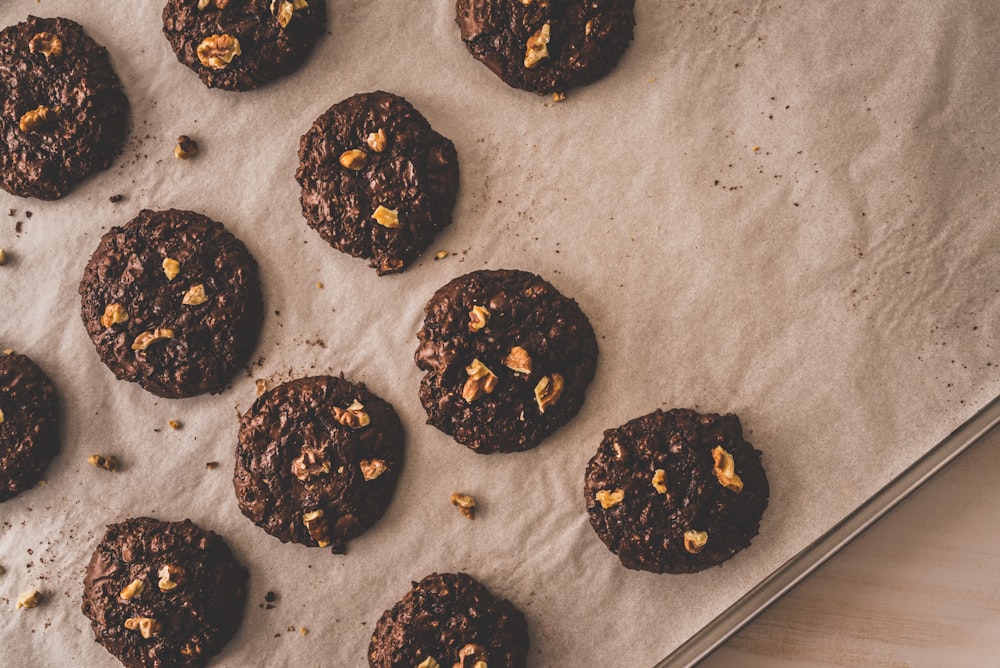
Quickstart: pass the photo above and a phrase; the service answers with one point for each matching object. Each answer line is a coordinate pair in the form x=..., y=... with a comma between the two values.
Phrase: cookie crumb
x=440, y=255
x=319, y=284
x=174, y=424
x=211, y=465
x=303, y=630
x=270, y=597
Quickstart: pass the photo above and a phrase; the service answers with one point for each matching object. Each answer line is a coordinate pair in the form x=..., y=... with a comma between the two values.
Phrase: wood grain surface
x=920, y=588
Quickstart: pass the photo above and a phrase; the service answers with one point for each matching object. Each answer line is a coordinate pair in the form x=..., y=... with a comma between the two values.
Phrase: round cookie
x=377, y=181
x=65, y=115
x=163, y=593
x=29, y=430
x=676, y=491
x=241, y=44
x=317, y=461
x=454, y=620
x=547, y=46
x=508, y=360
x=172, y=302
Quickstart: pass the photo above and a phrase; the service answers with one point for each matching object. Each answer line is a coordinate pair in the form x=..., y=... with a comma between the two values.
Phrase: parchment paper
x=783, y=210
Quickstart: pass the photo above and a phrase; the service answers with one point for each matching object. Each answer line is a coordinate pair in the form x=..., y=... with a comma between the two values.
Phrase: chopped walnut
x=386, y=217
x=39, y=119
x=29, y=599
x=186, y=148
x=548, y=390
x=49, y=44
x=146, y=339
x=589, y=28
x=285, y=12
x=440, y=255
x=372, y=468
x=147, y=626
x=472, y=652
x=465, y=503
x=261, y=386
x=725, y=470
x=694, y=541
x=659, y=481
x=310, y=464
x=171, y=268
x=191, y=648
x=170, y=577
x=518, y=360
x=618, y=450
x=1, y=417
x=300, y=4
x=608, y=498
x=222, y=4
x=195, y=295
x=317, y=526
x=109, y=463
x=131, y=590
x=217, y=51
x=3, y=257
x=429, y=662
x=174, y=424
x=113, y=314
x=202, y=4
x=481, y=381
x=355, y=159
x=479, y=316
x=537, y=48
x=376, y=140
x=354, y=416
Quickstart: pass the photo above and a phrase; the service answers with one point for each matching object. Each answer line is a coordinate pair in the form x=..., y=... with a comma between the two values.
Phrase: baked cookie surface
x=507, y=358
x=64, y=114
x=241, y=44
x=163, y=594
x=547, y=46
x=317, y=461
x=377, y=181
x=676, y=491
x=450, y=620
x=29, y=429
x=172, y=302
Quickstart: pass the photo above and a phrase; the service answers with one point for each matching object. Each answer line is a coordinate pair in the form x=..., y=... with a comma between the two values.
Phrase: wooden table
x=920, y=588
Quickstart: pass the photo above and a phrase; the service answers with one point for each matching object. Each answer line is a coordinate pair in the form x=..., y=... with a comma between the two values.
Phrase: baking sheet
x=779, y=211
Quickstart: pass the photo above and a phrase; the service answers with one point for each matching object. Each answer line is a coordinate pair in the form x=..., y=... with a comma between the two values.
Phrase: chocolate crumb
x=114, y=199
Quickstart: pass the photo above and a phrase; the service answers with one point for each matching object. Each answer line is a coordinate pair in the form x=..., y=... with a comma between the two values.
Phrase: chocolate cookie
x=317, y=461
x=508, y=360
x=675, y=491
x=452, y=621
x=547, y=46
x=29, y=429
x=377, y=181
x=241, y=44
x=163, y=594
x=172, y=302
x=64, y=116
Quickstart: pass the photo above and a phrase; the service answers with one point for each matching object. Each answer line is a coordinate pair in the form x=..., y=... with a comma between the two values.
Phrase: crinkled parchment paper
x=783, y=210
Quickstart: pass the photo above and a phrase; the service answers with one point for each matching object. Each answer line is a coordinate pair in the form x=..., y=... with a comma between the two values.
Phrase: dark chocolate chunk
x=163, y=594
x=547, y=46
x=317, y=461
x=676, y=491
x=65, y=115
x=508, y=360
x=29, y=428
x=241, y=44
x=377, y=181
x=454, y=620
x=172, y=302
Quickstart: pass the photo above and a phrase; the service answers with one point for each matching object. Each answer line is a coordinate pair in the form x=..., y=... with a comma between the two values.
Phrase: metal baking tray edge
x=793, y=571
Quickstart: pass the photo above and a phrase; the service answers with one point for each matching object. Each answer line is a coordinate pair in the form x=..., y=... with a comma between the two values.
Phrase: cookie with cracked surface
x=377, y=181
x=450, y=620
x=507, y=359
x=317, y=461
x=172, y=302
x=241, y=44
x=676, y=491
x=29, y=428
x=64, y=113
x=163, y=594
x=547, y=46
